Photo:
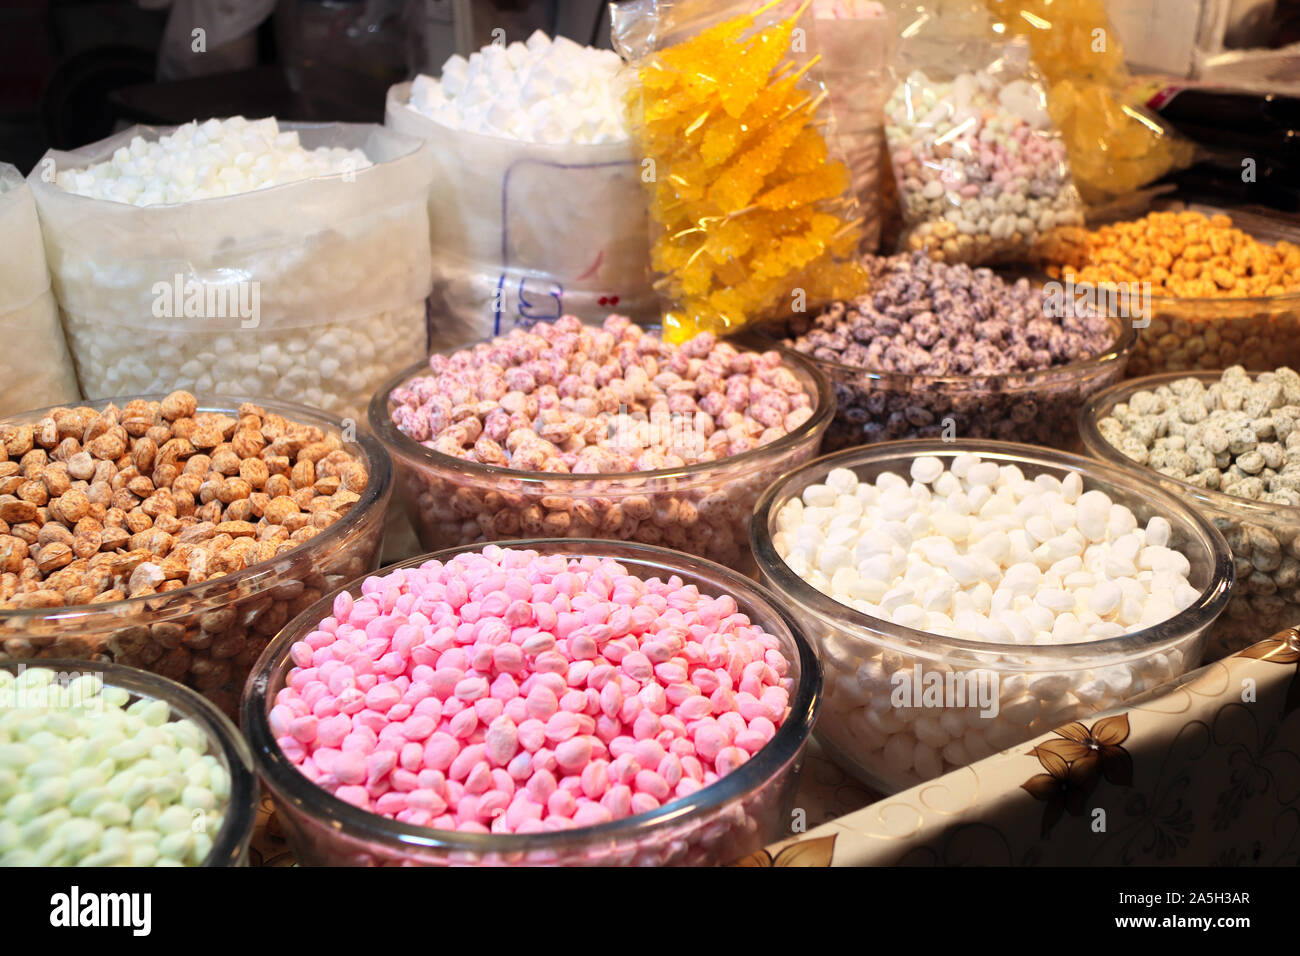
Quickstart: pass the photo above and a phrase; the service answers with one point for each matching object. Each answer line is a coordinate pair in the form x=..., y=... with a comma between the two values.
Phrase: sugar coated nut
x=562, y=737
x=108, y=531
x=1233, y=435
x=572, y=401
x=979, y=552
x=88, y=779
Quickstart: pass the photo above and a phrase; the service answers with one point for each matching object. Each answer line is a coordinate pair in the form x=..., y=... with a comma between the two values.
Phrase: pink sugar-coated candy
x=513, y=693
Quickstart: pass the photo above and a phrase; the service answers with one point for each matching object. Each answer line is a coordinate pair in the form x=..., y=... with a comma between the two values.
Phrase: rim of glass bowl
x=1208, y=605
x=816, y=384
x=1100, y=404
x=647, y=561
x=1118, y=351
x=379, y=467
x=241, y=808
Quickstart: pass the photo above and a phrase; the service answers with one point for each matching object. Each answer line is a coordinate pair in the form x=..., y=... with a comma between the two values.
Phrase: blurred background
x=73, y=71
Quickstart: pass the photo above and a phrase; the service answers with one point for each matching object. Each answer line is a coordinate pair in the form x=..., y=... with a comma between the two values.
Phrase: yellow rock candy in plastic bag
x=748, y=206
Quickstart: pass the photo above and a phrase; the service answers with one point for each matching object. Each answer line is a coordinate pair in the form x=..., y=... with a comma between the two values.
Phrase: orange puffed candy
x=1184, y=254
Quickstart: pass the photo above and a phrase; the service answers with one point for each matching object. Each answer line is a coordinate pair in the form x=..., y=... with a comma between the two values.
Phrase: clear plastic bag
x=522, y=232
x=857, y=43
x=982, y=174
x=35, y=368
x=1115, y=146
x=751, y=213
x=311, y=291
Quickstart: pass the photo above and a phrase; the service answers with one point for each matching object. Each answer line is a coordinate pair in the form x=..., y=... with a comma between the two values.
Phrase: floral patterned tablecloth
x=1205, y=771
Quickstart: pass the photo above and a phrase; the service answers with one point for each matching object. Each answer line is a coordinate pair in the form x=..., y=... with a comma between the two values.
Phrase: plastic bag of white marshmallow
x=311, y=291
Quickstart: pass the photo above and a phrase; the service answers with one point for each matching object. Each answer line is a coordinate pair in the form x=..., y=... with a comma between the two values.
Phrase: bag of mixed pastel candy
x=1116, y=147
x=982, y=174
x=751, y=214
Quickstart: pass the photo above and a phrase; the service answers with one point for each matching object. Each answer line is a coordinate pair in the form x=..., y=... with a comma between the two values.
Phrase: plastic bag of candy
x=752, y=214
x=982, y=173
x=1115, y=146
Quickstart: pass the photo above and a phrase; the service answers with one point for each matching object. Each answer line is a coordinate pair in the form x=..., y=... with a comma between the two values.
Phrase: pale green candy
x=7, y=679
x=139, y=791
x=16, y=756
x=84, y=781
x=174, y=819
x=8, y=784
x=156, y=713
x=111, y=814
x=113, y=856
x=145, y=816
x=20, y=807
x=198, y=798
x=38, y=829
x=87, y=689
x=46, y=767
x=188, y=734
x=201, y=849
x=176, y=846
x=86, y=800
x=61, y=723
x=34, y=677
x=43, y=741
x=168, y=789
x=127, y=751
x=51, y=853
x=219, y=783
x=81, y=836
x=50, y=793
x=11, y=836
x=115, y=696
x=166, y=757
x=83, y=778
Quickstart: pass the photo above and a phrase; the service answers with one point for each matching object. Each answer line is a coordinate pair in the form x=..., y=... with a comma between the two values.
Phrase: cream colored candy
x=88, y=780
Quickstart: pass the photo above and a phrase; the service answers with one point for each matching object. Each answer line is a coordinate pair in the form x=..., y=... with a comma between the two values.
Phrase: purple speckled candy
x=924, y=319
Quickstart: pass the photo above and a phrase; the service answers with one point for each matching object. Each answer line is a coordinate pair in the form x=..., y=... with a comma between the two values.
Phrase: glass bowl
x=1258, y=332
x=230, y=843
x=994, y=696
x=1036, y=407
x=702, y=509
x=736, y=815
x=208, y=635
x=1264, y=537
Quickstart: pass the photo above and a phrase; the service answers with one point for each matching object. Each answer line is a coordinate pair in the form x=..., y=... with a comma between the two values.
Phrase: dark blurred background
x=74, y=71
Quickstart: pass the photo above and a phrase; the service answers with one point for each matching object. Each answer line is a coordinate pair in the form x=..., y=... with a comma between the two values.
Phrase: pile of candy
x=217, y=158
x=541, y=91
x=981, y=174
x=509, y=692
x=88, y=778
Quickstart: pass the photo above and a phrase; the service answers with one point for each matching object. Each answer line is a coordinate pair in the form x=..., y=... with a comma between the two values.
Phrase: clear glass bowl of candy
x=939, y=655
x=744, y=808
